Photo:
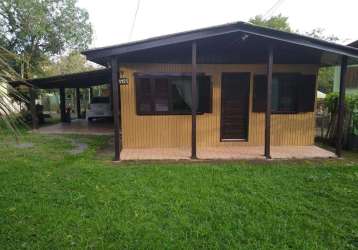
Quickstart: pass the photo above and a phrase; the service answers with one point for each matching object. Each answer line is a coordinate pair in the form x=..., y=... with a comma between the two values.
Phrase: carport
x=77, y=81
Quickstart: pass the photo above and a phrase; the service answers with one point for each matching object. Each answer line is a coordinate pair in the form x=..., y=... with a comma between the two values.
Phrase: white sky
x=112, y=19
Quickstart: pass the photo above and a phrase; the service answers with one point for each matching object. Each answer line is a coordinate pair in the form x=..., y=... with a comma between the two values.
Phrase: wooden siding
x=175, y=130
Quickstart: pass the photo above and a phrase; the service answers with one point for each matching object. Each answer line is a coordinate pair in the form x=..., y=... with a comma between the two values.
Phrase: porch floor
x=227, y=153
x=79, y=126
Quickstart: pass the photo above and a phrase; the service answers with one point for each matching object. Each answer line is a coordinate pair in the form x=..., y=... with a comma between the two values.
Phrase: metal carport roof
x=75, y=80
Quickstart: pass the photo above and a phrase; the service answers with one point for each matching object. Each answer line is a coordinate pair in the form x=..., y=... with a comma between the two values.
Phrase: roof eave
x=95, y=54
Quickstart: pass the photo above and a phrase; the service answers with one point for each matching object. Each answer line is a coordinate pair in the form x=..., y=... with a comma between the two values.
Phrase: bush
x=350, y=116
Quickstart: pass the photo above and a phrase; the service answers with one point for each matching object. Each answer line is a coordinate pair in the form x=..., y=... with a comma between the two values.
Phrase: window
x=158, y=94
x=291, y=93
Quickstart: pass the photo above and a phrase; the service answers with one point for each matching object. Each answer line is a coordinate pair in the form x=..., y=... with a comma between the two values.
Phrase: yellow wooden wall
x=175, y=130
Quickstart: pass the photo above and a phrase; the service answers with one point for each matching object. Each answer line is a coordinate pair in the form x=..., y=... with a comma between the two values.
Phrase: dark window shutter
x=204, y=94
x=306, y=93
x=260, y=93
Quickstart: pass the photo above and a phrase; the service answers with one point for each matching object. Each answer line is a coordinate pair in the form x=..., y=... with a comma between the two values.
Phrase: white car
x=100, y=107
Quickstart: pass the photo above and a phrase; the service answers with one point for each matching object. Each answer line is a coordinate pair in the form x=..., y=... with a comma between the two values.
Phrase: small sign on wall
x=123, y=81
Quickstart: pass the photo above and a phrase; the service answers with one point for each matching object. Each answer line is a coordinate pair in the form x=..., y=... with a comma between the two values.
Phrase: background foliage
x=278, y=22
x=72, y=63
x=38, y=29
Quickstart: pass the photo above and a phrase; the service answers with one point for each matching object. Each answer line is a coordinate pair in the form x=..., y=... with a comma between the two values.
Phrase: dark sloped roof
x=216, y=31
x=354, y=44
x=76, y=80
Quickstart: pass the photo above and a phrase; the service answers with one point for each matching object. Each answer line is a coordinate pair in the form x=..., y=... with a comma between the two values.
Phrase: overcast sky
x=112, y=19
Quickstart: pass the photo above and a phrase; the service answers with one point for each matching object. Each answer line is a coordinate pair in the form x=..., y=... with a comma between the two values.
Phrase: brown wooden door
x=235, y=91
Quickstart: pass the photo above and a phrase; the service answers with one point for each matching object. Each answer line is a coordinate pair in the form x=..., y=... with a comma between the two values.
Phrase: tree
x=72, y=63
x=278, y=22
x=319, y=34
x=37, y=29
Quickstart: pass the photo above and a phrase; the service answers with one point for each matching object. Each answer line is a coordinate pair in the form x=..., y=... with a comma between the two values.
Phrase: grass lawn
x=52, y=199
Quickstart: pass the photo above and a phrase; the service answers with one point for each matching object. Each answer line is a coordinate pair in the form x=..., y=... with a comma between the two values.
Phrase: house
x=240, y=70
x=235, y=88
x=352, y=75
x=211, y=87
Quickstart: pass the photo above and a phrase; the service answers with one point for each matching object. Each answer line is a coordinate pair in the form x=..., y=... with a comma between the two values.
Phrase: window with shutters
x=171, y=94
x=291, y=93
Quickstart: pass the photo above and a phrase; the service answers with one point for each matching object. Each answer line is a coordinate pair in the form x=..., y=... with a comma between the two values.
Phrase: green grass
x=50, y=199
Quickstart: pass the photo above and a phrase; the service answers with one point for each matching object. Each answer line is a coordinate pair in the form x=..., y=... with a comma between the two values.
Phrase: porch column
x=90, y=93
x=194, y=97
x=78, y=103
x=268, y=104
x=34, y=117
x=115, y=93
x=110, y=89
x=342, y=93
x=62, y=104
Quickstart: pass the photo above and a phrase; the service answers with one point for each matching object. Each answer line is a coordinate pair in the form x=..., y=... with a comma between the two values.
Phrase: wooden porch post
x=268, y=104
x=342, y=93
x=194, y=97
x=90, y=93
x=34, y=117
x=63, y=104
x=115, y=92
x=78, y=103
x=111, y=94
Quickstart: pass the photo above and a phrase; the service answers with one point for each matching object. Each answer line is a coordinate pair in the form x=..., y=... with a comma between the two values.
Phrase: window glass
x=161, y=99
x=284, y=93
x=288, y=94
x=144, y=95
x=275, y=94
x=181, y=94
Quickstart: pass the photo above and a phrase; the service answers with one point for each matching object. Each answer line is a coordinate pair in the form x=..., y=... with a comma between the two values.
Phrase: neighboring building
x=352, y=75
